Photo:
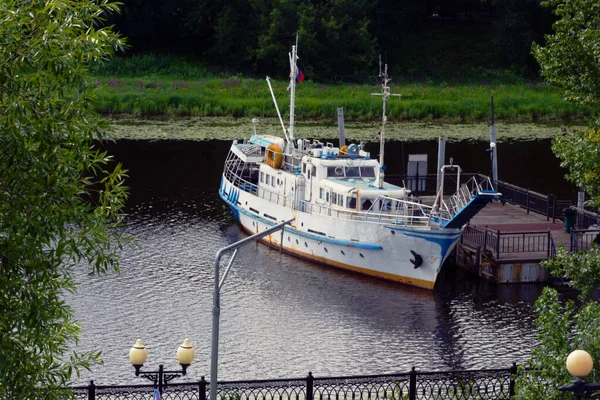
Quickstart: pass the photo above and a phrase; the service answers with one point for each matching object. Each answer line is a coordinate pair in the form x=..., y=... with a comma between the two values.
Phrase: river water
x=282, y=317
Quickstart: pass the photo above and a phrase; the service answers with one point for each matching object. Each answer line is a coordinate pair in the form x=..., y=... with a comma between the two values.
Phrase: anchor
x=417, y=261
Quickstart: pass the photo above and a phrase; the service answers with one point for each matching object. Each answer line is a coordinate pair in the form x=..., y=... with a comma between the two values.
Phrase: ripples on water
x=281, y=317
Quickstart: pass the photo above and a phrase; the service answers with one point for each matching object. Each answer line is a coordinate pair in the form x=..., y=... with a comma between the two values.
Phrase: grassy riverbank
x=145, y=89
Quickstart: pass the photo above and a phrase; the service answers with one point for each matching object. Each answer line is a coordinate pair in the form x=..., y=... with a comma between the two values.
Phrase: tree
x=569, y=61
x=59, y=200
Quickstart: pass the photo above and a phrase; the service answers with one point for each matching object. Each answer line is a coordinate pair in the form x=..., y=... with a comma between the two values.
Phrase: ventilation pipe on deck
x=340, y=112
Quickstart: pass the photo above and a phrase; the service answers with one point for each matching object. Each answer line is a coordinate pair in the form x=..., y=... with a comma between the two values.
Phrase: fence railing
x=498, y=243
x=464, y=384
x=547, y=205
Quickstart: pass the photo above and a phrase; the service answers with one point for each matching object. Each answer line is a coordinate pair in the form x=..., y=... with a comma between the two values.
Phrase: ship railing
x=263, y=193
x=464, y=194
x=413, y=214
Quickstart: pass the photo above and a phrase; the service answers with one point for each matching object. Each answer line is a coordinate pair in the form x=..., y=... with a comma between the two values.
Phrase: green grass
x=152, y=86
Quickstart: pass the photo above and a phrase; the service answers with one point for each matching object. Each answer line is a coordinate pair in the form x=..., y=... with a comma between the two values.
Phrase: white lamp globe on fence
x=137, y=355
x=185, y=354
x=580, y=363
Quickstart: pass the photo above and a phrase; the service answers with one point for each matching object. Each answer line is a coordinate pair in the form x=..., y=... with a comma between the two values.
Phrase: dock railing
x=547, y=205
x=536, y=245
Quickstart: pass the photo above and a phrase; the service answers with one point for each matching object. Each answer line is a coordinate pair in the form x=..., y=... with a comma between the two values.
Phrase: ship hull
x=412, y=256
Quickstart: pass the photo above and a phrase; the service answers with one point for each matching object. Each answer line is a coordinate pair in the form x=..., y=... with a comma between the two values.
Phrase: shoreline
x=227, y=128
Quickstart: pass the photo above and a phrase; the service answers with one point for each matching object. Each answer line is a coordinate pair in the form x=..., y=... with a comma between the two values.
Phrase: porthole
x=343, y=252
x=393, y=232
x=326, y=251
x=246, y=203
x=305, y=244
x=301, y=223
x=297, y=242
x=361, y=255
x=289, y=239
x=252, y=223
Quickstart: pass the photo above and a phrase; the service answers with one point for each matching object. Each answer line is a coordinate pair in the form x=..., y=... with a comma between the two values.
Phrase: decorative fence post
x=309, y=386
x=412, y=385
x=92, y=391
x=202, y=394
x=513, y=377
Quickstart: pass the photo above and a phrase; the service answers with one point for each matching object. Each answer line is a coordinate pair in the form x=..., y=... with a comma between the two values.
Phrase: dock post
x=440, y=161
x=498, y=245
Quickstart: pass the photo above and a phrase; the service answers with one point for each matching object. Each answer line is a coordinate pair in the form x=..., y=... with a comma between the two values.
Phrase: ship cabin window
x=321, y=193
x=309, y=174
x=352, y=172
x=304, y=168
x=366, y=205
x=340, y=201
x=327, y=197
x=273, y=181
x=314, y=170
x=334, y=198
x=335, y=171
x=262, y=177
x=351, y=202
x=367, y=172
x=268, y=179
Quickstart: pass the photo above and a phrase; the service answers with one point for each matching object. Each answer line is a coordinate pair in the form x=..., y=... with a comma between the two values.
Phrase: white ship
x=344, y=214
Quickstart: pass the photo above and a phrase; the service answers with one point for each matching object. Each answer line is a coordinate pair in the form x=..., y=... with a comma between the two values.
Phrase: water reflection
x=281, y=317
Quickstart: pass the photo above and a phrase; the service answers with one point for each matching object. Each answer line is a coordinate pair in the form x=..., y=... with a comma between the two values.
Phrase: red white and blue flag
x=299, y=75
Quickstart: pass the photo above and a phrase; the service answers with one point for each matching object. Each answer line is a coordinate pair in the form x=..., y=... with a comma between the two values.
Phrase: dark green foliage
x=59, y=202
x=431, y=39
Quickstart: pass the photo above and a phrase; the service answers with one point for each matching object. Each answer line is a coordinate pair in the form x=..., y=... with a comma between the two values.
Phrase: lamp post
x=493, y=173
x=160, y=378
x=580, y=364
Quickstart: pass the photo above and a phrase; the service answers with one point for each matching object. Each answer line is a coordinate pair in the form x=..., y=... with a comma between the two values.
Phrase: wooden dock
x=508, y=239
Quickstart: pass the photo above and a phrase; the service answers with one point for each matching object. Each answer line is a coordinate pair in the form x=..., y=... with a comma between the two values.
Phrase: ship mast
x=293, y=76
x=385, y=93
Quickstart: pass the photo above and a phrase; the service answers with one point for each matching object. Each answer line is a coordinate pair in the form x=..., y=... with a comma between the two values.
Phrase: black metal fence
x=547, y=205
x=486, y=384
x=426, y=185
x=535, y=244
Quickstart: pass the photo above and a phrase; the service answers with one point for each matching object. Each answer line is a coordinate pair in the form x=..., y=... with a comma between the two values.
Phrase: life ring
x=344, y=150
x=353, y=149
x=274, y=156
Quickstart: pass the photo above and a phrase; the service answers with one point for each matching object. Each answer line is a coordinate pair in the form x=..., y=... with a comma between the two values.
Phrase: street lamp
x=493, y=168
x=580, y=364
x=160, y=378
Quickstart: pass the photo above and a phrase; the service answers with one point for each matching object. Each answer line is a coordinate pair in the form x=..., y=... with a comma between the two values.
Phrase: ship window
x=334, y=198
x=335, y=171
x=268, y=179
x=350, y=202
x=273, y=181
x=321, y=193
x=340, y=200
x=366, y=205
x=262, y=177
x=352, y=172
x=309, y=174
x=304, y=167
x=367, y=172
x=327, y=197
x=314, y=170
